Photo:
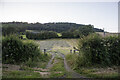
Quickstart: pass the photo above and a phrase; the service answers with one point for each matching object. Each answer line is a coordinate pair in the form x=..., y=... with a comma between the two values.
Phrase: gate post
x=44, y=51
x=71, y=51
x=74, y=51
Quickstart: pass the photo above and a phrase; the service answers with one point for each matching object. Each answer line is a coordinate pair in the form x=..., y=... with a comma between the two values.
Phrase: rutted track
x=49, y=65
x=48, y=45
x=68, y=69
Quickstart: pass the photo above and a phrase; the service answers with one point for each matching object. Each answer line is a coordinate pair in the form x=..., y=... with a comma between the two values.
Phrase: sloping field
x=107, y=34
x=62, y=45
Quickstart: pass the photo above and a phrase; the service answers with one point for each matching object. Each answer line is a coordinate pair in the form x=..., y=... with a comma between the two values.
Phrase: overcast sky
x=100, y=14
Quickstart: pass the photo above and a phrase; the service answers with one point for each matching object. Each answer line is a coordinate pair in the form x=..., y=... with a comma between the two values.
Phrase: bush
x=16, y=51
x=98, y=50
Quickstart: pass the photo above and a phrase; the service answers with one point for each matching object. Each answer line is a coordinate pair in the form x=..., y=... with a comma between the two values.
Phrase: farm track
x=49, y=65
x=48, y=45
x=68, y=69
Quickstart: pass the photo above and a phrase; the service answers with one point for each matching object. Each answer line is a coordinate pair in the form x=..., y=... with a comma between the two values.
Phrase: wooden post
x=74, y=50
x=44, y=51
x=71, y=51
x=104, y=32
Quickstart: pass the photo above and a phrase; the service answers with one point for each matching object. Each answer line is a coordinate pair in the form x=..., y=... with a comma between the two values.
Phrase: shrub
x=98, y=50
x=15, y=50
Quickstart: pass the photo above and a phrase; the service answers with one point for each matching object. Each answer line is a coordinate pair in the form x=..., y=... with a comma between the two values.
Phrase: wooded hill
x=67, y=30
x=57, y=27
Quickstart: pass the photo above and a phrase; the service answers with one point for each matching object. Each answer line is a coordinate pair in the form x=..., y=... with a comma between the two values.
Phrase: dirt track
x=68, y=69
x=49, y=45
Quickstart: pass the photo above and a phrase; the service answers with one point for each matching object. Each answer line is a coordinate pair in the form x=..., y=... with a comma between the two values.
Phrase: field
x=107, y=34
x=62, y=45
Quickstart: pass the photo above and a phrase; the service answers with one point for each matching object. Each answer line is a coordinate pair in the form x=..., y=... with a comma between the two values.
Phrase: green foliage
x=97, y=50
x=59, y=34
x=20, y=27
x=95, y=73
x=71, y=60
x=67, y=34
x=13, y=28
x=21, y=74
x=58, y=69
x=15, y=50
x=86, y=30
x=22, y=37
x=8, y=30
x=77, y=33
x=30, y=63
x=41, y=35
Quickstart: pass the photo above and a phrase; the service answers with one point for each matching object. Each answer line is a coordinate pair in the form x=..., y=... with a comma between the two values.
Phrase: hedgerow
x=96, y=50
x=14, y=50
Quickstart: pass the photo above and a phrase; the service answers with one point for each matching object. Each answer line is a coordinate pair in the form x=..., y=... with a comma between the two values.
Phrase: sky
x=100, y=14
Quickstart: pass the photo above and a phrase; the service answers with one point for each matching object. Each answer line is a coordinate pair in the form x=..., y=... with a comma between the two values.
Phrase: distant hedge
x=41, y=35
x=99, y=50
x=15, y=50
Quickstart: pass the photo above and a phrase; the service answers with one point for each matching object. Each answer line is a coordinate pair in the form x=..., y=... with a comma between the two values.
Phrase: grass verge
x=26, y=70
x=92, y=71
x=98, y=73
x=21, y=74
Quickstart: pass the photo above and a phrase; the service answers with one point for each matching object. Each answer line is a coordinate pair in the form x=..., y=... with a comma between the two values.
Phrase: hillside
x=57, y=27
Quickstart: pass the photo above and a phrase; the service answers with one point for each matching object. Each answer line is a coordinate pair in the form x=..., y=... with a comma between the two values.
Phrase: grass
x=42, y=62
x=72, y=42
x=27, y=71
x=59, y=34
x=58, y=70
x=64, y=51
x=21, y=74
x=24, y=36
x=71, y=60
x=93, y=71
x=107, y=34
x=96, y=73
